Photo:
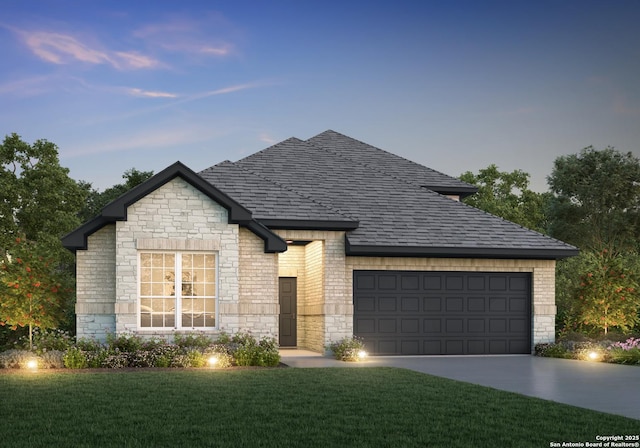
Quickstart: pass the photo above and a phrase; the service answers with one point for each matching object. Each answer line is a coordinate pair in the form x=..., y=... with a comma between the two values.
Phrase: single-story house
x=311, y=241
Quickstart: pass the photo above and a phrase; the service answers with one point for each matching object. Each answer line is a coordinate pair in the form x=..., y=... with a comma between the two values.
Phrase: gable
x=118, y=209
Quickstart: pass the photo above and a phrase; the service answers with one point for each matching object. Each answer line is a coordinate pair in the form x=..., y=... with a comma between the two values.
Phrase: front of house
x=312, y=241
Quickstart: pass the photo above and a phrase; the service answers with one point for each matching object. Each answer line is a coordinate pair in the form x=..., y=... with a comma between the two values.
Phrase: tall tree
x=508, y=195
x=38, y=198
x=96, y=200
x=596, y=202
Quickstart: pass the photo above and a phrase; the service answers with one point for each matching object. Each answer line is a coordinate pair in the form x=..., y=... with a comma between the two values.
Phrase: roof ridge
x=287, y=188
x=289, y=140
x=375, y=167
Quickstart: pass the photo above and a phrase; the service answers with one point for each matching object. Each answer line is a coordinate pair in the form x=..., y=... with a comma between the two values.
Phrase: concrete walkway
x=610, y=388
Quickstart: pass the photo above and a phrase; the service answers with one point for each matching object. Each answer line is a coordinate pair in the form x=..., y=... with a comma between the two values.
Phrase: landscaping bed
x=609, y=348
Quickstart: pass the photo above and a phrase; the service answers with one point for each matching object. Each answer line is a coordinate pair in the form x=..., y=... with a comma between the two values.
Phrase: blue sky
x=454, y=85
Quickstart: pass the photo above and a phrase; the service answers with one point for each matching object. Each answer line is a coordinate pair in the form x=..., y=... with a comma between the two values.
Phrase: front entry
x=288, y=311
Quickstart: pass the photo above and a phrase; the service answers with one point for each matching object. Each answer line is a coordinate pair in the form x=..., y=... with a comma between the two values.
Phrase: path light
x=362, y=355
x=593, y=356
x=32, y=364
x=212, y=361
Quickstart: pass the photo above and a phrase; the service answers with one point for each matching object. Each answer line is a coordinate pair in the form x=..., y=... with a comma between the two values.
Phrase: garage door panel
x=432, y=304
x=410, y=312
x=454, y=303
x=387, y=304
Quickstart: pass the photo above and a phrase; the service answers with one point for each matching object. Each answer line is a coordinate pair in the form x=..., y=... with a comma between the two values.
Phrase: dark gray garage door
x=442, y=313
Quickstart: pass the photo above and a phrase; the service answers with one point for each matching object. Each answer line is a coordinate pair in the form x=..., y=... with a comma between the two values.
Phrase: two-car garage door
x=442, y=313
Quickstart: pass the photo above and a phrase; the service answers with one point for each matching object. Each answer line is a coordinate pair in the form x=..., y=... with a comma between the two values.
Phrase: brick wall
x=96, y=285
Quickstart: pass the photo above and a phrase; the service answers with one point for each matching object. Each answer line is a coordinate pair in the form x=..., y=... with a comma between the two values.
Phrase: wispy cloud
x=149, y=93
x=189, y=36
x=57, y=48
x=36, y=85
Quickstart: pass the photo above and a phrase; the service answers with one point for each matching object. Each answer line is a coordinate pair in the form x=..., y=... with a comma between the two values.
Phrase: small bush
x=627, y=352
x=197, y=340
x=347, y=349
x=53, y=359
x=126, y=343
x=74, y=358
x=17, y=359
x=47, y=340
x=250, y=352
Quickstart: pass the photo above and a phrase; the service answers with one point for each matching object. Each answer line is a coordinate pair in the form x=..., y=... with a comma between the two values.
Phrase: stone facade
x=177, y=216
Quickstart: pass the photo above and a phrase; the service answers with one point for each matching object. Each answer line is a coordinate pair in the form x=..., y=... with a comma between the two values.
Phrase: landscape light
x=32, y=364
x=213, y=360
x=594, y=356
x=362, y=355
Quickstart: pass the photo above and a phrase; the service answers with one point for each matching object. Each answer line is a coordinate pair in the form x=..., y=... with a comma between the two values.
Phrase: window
x=178, y=290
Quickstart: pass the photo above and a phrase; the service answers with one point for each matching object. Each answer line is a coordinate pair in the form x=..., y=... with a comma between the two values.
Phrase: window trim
x=178, y=288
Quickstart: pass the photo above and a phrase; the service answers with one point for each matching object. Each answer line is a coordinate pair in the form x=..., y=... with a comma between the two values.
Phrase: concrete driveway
x=610, y=388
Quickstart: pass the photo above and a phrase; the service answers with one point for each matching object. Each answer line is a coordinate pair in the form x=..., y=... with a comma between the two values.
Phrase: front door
x=288, y=311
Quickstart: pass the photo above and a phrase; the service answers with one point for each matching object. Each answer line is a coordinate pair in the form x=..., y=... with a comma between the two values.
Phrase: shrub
x=627, y=352
x=127, y=343
x=250, y=352
x=223, y=358
x=53, y=359
x=74, y=358
x=197, y=340
x=17, y=359
x=47, y=340
x=347, y=349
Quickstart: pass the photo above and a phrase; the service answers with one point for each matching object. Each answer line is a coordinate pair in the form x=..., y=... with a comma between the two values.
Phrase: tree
x=39, y=200
x=608, y=294
x=39, y=203
x=596, y=199
x=508, y=195
x=32, y=287
x=97, y=200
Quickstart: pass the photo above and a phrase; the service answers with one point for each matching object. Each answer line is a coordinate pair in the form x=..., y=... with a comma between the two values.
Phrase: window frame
x=177, y=285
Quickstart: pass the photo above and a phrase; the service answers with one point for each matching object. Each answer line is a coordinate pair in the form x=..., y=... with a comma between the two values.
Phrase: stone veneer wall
x=96, y=285
x=258, y=308
x=543, y=280
x=175, y=216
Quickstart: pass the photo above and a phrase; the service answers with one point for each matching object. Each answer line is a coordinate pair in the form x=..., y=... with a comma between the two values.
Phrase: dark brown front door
x=288, y=311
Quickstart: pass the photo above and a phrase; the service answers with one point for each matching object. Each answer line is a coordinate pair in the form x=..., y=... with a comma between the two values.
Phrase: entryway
x=288, y=311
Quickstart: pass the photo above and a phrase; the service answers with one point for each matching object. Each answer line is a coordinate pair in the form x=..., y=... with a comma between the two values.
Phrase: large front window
x=177, y=290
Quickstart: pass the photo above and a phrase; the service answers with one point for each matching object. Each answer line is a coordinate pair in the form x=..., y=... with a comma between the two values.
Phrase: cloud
x=150, y=94
x=57, y=48
x=27, y=86
x=188, y=36
x=267, y=138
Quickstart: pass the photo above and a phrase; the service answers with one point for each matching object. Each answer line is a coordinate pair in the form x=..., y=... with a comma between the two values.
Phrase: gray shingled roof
x=332, y=178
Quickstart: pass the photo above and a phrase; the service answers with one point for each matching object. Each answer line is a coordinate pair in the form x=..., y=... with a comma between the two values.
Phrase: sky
x=453, y=85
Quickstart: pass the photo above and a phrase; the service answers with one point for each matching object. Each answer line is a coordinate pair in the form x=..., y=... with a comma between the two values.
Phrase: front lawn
x=281, y=407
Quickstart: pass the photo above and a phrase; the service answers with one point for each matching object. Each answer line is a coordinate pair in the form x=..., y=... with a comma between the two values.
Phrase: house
x=311, y=241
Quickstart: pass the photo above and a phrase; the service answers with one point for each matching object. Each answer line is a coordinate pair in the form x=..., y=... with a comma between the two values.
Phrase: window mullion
x=178, y=289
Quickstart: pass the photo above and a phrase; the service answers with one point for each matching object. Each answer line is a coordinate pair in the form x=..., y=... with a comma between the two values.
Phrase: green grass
x=367, y=407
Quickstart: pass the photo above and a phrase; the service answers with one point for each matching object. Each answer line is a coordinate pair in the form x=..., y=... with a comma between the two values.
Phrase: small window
x=178, y=290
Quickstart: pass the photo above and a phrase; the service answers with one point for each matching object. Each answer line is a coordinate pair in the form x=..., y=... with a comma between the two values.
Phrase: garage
x=443, y=313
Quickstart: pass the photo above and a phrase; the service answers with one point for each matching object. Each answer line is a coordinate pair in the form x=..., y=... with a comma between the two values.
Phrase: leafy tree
x=596, y=199
x=39, y=200
x=97, y=200
x=608, y=293
x=34, y=290
x=508, y=195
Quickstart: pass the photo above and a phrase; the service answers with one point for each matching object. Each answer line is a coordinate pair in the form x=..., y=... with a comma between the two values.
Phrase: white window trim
x=178, y=289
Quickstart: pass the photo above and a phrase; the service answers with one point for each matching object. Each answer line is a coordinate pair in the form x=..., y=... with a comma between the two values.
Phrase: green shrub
x=347, y=349
x=223, y=338
x=74, y=358
x=126, y=343
x=192, y=340
x=47, y=340
x=250, y=352
x=552, y=351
